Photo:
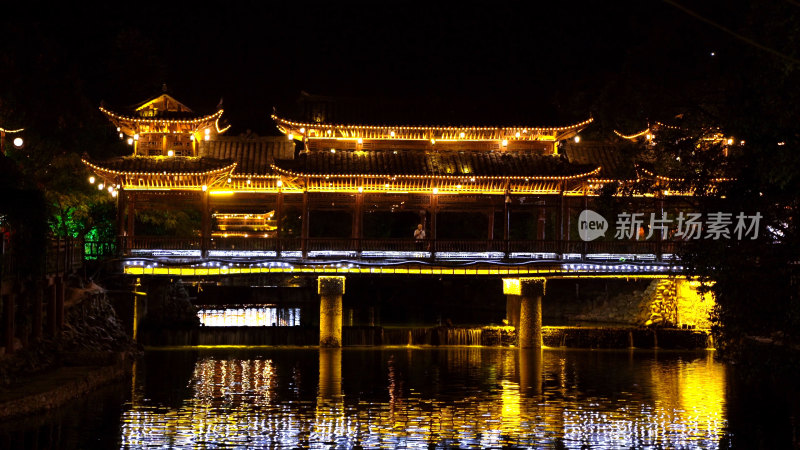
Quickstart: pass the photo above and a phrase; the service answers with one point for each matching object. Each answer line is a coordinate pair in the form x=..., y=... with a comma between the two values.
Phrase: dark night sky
x=547, y=65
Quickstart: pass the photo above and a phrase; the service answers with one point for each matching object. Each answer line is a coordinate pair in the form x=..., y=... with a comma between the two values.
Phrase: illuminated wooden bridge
x=329, y=197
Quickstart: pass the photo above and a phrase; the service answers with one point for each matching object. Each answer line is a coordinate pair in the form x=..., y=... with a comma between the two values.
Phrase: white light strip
x=394, y=254
x=529, y=255
x=469, y=255
x=241, y=253
x=163, y=252
x=344, y=253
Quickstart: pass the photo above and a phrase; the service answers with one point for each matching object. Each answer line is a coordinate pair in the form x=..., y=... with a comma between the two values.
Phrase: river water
x=418, y=397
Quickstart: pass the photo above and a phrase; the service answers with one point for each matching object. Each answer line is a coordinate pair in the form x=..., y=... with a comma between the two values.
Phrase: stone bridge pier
x=330, y=290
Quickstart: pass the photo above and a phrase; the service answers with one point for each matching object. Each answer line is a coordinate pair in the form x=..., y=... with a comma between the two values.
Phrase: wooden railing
x=64, y=255
x=60, y=256
x=405, y=248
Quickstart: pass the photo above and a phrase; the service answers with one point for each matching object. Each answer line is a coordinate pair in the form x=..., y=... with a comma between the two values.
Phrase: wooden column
x=357, y=221
x=278, y=221
x=567, y=218
x=434, y=211
x=562, y=245
x=541, y=224
x=131, y=221
x=490, y=212
x=121, y=205
x=506, y=216
x=205, y=227
x=304, y=217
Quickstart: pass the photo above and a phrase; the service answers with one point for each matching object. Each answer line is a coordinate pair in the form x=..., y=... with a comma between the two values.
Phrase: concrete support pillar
x=59, y=286
x=529, y=332
x=9, y=312
x=330, y=290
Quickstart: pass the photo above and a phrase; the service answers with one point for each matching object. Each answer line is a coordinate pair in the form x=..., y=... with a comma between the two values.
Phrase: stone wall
x=92, y=334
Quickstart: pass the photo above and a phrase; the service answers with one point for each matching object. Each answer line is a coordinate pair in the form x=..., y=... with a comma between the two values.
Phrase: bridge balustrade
x=321, y=248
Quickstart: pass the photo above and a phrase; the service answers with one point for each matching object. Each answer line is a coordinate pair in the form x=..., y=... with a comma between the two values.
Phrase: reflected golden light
x=256, y=402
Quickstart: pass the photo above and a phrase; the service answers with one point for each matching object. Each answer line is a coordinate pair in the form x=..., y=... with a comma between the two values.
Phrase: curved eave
x=11, y=131
x=307, y=130
x=649, y=174
x=199, y=120
x=290, y=173
x=162, y=180
x=634, y=136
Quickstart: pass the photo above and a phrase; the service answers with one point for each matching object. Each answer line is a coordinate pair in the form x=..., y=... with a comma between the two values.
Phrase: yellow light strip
x=11, y=131
x=521, y=270
x=437, y=177
x=117, y=172
x=632, y=136
x=512, y=130
x=114, y=115
x=216, y=125
x=671, y=127
x=679, y=180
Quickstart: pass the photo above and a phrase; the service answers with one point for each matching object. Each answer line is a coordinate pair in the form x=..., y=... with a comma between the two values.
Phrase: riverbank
x=92, y=349
x=51, y=389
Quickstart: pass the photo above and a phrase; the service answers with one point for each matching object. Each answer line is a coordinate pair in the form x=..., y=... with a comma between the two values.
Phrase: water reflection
x=459, y=396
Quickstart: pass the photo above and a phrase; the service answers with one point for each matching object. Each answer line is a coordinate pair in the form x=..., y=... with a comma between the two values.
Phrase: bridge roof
x=253, y=156
x=432, y=163
x=610, y=158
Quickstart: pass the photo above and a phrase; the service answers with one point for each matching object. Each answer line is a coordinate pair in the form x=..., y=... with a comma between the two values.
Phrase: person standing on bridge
x=419, y=237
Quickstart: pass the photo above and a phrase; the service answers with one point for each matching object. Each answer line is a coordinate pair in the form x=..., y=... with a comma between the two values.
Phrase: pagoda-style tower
x=163, y=126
